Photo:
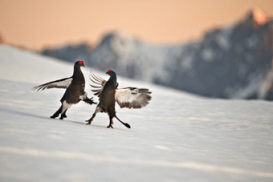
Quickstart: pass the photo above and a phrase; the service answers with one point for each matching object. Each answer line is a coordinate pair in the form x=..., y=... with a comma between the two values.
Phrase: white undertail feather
x=65, y=106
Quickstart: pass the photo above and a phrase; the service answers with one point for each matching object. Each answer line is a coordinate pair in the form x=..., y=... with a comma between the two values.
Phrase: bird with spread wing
x=74, y=93
x=109, y=94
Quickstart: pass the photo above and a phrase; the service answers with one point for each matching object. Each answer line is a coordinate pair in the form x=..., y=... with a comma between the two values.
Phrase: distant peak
x=118, y=35
x=259, y=16
x=1, y=39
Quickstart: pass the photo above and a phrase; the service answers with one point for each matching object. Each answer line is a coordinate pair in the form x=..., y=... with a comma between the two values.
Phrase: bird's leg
x=91, y=119
x=65, y=106
x=63, y=115
x=56, y=114
x=110, y=126
x=98, y=109
x=86, y=99
x=89, y=101
x=110, y=122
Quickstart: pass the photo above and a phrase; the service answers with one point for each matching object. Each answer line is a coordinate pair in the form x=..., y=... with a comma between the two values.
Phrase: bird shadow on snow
x=11, y=111
x=92, y=125
x=105, y=127
x=15, y=112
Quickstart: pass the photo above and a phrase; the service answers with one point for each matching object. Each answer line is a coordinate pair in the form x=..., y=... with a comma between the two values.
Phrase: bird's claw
x=110, y=126
x=90, y=101
x=88, y=122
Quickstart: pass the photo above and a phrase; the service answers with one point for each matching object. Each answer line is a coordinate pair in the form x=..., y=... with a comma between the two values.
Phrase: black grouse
x=74, y=93
x=108, y=94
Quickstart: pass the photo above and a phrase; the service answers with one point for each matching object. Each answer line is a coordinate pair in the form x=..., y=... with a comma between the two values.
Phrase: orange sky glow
x=36, y=24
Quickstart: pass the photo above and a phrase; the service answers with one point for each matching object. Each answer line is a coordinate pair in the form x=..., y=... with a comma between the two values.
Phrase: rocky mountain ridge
x=233, y=62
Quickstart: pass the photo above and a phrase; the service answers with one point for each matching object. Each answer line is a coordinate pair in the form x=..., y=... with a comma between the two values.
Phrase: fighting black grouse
x=108, y=94
x=74, y=93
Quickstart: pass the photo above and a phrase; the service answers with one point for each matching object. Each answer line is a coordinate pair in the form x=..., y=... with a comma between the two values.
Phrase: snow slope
x=178, y=137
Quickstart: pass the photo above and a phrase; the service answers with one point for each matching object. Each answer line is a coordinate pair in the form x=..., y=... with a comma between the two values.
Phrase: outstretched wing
x=132, y=97
x=62, y=83
x=99, y=83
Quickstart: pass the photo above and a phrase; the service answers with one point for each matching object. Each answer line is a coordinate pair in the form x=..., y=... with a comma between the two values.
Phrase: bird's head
x=110, y=72
x=80, y=63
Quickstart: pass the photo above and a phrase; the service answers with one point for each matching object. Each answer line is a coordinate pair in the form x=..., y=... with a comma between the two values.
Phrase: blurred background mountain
x=233, y=62
x=159, y=42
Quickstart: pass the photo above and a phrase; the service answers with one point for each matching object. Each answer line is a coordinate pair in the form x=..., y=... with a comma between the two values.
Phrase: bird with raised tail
x=74, y=93
x=109, y=94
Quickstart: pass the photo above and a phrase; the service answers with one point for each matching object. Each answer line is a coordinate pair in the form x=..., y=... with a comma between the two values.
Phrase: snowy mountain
x=233, y=62
x=177, y=137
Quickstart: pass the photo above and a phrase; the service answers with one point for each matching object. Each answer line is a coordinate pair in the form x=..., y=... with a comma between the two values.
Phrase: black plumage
x=74, y=93
x=109, y=94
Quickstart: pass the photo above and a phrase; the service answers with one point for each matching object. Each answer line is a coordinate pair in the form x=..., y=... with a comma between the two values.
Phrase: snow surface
x=177, y=137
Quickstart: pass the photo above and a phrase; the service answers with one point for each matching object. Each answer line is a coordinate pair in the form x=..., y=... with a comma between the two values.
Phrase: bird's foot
x=53, y=116
x=63, y=116
x=89, y=122
x=90, y=101
x=110, y=126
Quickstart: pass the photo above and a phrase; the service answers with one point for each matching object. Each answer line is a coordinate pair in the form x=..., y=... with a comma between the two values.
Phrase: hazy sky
x=39, y=23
